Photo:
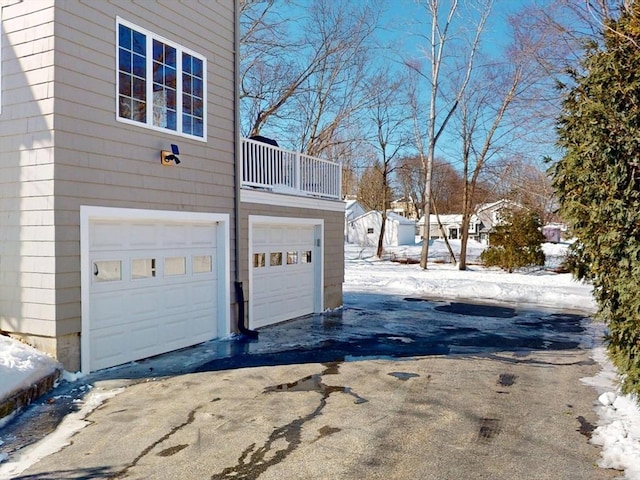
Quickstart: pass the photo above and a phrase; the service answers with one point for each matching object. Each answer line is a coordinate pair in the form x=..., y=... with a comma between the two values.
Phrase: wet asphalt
x=389, y=328
x=399, y=327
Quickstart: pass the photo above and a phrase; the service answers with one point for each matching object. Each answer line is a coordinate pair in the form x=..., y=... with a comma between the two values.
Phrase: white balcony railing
x=271, y=168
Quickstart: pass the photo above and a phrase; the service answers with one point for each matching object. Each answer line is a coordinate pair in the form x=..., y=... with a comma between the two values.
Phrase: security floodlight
x=167, y=157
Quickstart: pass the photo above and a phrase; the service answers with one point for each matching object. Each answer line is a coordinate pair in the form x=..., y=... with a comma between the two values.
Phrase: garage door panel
x=108, y=347
x=287, y=290
x=105, y=312
x=139, y=235
x=201, y=295
x=174, y=236
x=104, y=236
x=175, y=298
x=199, y=324
x=203, y=236
x=171, y=308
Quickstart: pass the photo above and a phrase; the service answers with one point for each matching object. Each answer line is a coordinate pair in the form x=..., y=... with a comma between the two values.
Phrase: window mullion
x=149, y=79
x=179, y=89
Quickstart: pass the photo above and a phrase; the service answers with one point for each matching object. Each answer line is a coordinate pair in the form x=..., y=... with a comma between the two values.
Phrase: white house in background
x=451, y=223
x=365, y=229
x=405, y=208
x=353, y=209
x=487, y=215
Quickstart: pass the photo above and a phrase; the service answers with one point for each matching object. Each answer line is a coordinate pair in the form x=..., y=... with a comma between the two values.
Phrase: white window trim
x=149, y=54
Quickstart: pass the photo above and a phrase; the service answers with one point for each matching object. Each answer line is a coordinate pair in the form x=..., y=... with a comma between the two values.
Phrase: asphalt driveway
x=404, y=389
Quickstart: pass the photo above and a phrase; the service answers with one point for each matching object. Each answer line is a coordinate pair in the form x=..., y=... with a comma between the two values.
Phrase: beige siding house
x=112, y=251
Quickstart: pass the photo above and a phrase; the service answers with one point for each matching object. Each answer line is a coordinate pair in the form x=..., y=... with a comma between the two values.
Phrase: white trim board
x=283, y=200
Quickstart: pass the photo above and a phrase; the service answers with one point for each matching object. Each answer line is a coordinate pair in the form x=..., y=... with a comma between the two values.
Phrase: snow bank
x=22, y=365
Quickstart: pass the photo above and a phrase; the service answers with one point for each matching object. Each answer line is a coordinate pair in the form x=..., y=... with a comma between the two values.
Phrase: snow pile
x=619, y=431
x=21, y=366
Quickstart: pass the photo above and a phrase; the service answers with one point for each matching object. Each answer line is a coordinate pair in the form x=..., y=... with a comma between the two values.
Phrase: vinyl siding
x=93, y=159
x=103, y=162
x=27, y=231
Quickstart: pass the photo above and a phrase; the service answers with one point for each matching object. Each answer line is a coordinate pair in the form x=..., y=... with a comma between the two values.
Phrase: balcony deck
x=274, y=169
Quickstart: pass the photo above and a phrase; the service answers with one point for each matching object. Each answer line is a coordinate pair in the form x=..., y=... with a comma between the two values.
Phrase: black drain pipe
x=242, y=327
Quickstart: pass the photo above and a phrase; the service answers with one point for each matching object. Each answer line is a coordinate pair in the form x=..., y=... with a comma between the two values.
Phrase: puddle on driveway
x=507, y=379
x=314, y=383
x=477, y=310
x=586, y=428
x=403, y=375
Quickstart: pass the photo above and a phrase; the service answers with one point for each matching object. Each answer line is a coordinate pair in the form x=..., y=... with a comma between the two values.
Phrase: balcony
x=269, y=168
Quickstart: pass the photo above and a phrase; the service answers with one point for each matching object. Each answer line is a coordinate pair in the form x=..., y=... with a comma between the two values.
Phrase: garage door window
x=201, y=263
x=306, y=256
x=259, y=260
x=275, y=259
x=175, y=266
x=292, y=258
x=143, y=268
x=107, y=270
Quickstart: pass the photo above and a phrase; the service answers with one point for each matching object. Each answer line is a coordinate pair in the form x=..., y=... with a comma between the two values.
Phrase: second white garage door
x=285, y=280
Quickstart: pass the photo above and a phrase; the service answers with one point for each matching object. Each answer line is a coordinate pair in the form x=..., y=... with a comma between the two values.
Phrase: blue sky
x=400, y=17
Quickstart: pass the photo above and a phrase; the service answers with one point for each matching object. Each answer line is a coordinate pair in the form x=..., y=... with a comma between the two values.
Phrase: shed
x=365, y=229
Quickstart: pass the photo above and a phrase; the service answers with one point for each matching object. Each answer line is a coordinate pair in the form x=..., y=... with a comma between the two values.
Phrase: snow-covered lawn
x=619, y=428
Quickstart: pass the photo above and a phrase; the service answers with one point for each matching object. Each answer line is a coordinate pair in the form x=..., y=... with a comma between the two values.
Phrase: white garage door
x=283, y=272
x=153, y=288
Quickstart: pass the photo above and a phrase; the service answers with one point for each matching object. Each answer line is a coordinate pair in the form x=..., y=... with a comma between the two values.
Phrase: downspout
x=239, y=289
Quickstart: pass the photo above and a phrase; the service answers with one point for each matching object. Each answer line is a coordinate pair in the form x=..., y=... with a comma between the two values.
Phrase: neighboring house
x=489, y=215
x=451, y=223
x=111, y=251
x=365, y=230
x=405, y=208
x=353, y=209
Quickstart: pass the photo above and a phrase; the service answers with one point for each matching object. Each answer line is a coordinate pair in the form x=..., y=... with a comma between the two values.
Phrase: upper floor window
x=160, y=84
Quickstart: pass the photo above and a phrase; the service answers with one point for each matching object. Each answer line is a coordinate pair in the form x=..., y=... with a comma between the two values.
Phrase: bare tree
x=527, y=183
x=370, y=188
x=389, y=132
x=438, y=40
x=410, y=176
x=496, y=113
x=304, y=77
x=479, y=145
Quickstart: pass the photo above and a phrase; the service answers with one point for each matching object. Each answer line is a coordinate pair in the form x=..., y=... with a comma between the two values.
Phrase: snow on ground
x=443, y=280
x=21, y=366
x=619, y=426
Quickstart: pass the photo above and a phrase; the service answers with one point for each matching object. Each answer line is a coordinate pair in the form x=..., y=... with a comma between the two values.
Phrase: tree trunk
x=444, y=234
x=466, y=215
x=381, y=237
